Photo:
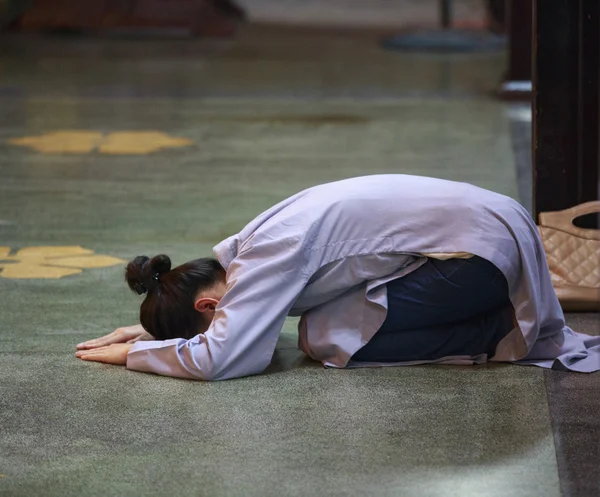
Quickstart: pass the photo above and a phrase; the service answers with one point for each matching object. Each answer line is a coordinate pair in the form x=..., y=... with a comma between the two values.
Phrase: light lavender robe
x=326, y=254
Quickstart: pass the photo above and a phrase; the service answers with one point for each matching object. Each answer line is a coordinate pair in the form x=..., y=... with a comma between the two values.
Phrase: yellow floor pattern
x=50, y=262
x=85, y=142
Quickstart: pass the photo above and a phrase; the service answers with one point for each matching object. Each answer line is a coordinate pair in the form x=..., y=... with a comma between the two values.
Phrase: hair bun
x=143, y=274
x=160, y=264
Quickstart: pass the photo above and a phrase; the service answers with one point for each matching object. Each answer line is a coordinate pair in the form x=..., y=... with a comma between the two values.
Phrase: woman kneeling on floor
x=383, y=270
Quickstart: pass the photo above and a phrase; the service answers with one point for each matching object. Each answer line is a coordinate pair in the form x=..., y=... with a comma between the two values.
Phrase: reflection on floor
x=259, y=118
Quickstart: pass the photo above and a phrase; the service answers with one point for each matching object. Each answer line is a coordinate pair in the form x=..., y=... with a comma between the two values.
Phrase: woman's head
x=180, y=302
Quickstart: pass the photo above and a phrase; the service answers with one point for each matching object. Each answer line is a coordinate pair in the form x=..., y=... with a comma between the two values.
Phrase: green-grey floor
x=69, y=428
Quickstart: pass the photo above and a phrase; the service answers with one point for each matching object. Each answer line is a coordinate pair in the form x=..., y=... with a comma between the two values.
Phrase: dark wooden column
x=566, y=107
x=517, y=80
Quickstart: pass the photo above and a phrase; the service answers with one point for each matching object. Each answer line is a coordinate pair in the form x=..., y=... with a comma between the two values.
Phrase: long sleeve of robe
x=327, y=253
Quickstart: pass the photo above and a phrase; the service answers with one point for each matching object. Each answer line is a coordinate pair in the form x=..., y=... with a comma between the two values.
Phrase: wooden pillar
x=566, y=107
x=517, y=80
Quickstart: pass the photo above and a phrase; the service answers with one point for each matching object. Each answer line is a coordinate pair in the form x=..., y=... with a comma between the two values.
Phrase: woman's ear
x=204, y=304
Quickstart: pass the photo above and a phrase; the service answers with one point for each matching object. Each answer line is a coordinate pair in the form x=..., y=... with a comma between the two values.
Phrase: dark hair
x=168, y=309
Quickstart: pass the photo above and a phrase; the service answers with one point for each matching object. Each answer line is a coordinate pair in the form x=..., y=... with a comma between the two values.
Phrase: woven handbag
x=573, y=256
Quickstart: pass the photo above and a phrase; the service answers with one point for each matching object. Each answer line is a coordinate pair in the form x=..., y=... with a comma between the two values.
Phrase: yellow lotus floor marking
x=61, y=142
x=139, y=142
x=51, y=262
x=85, y=142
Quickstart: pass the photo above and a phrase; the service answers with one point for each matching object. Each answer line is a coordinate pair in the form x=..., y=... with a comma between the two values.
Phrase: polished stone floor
x=113, y=148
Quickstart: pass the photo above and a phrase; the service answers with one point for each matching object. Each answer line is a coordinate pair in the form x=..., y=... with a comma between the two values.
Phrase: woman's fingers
x=90, y=352
x=101, y=354
x=114, y=337
x=95, y=358
x=120, y=335
x=97, y=342
x=90, y=344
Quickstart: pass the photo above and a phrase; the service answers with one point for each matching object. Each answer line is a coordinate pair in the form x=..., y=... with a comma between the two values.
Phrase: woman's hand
x=111, y=354
x=126, y=334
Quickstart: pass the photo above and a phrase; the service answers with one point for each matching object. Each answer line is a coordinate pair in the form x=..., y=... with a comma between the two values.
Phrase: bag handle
x=563, y=220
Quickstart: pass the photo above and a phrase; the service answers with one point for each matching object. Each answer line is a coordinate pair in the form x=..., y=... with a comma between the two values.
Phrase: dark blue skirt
x=444, y=308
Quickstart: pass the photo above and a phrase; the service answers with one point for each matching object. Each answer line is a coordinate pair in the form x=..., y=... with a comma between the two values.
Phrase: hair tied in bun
x=143, y=274
x=140, y=289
